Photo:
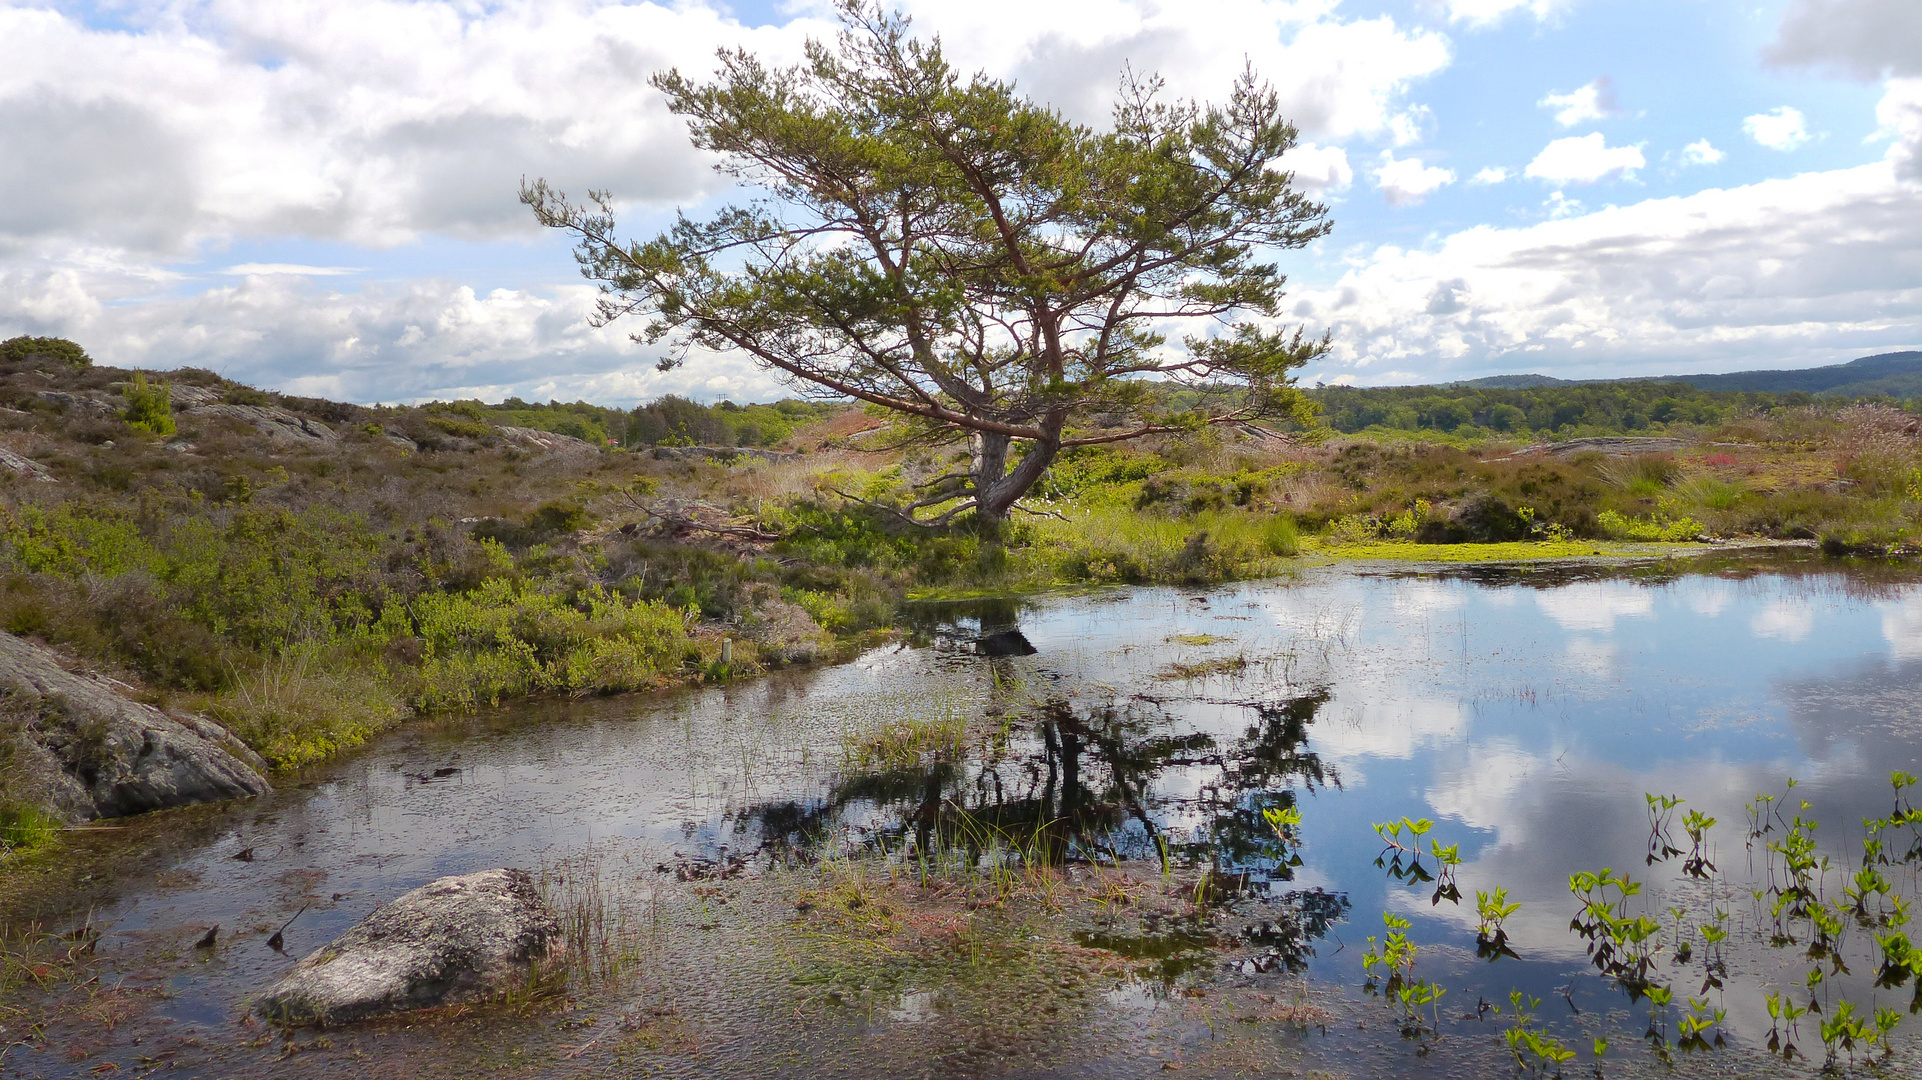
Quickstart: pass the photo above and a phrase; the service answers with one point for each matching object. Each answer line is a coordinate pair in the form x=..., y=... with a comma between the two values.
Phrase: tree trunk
x=995, y=488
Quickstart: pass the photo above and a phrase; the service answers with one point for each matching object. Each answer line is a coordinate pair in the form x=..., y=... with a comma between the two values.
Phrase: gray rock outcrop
x=454, y=940
x=85, y=749
x=551, y=441
x=24, y=466
x=270, y=420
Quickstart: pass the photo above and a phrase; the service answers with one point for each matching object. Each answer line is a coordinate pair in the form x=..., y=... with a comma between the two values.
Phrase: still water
x=1229, y=753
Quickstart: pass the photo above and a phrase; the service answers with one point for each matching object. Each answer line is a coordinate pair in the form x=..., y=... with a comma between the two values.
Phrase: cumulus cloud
x=253, y=269
x=1781, y=128
x=192, y=124
x=1483, y=13
x=1406, y=181
x=374, y=121
x=1817, y=268
x=1701, y=152
x=398, y=341
x=1493, y=174
x=1583, y=160
x=1319, y=169
x=1899, y=116
x=1596, y=101
x=1869, y=39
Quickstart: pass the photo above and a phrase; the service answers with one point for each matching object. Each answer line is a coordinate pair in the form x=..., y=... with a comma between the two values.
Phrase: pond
x=1324, y=824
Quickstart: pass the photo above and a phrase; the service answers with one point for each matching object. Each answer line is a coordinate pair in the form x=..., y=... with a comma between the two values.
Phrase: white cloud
x=1902, y=628
x=1594, y=606
x=1899, y=115
x=1583, y=159
x=1596, y=101
x=251, y=269
x=1482, y=13
x=1493, y=174
x=1868, y=39
x=386, y=341
x=1701, y=152
x=1319, y=169
x=196, y=123
x=1406, y=181
x=1783, y=620
x=1816, y=268
x=1781, y=128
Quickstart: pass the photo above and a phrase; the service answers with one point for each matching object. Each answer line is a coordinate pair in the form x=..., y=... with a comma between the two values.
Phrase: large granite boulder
x=457, y=939
x=83, y=748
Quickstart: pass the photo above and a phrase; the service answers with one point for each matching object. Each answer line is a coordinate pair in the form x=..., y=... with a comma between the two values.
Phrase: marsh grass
x=1112, y=544
x=909, y=742
x=611, y=925
x=306, y=705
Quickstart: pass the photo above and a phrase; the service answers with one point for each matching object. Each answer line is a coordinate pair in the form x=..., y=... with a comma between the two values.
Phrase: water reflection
x=1258, y=733
x=1104, y=782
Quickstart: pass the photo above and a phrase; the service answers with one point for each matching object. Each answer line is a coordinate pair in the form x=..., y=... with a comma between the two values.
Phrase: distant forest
x=1462, y=409
x=1596, y=407
x=670, y=421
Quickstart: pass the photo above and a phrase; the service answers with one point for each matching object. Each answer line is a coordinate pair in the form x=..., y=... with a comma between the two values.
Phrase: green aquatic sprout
x=1868, y=892
x=1697, y=1022
x=1784, y=1023
x=1493, y=908
x=1844, y=1031
x=1395, y=849
x=1284, y=820
x=1697, y=864
x=1661, y=814
x=1286, y=823
x=1449, y=857
x=1396, y=954
x=1620, y=945
x=1535, y=1050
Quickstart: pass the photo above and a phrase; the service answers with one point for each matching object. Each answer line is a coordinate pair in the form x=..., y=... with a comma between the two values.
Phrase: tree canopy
x=950, y=250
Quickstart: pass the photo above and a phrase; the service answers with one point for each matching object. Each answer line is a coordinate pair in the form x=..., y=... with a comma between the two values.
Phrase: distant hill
x=1896, y=375
x=1515, y=382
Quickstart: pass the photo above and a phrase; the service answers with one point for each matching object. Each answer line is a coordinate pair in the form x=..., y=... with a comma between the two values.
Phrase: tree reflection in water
x=1071, y=782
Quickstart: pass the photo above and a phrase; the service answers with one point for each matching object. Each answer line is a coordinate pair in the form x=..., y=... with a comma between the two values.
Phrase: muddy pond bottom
x=1367, y=821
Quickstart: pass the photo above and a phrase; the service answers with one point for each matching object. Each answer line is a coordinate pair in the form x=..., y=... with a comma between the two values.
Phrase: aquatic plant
x=1491, y=909
x=1536, y=1051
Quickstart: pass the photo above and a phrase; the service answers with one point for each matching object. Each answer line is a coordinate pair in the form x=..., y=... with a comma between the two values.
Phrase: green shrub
x=1655, y=529
x=43, y=350
x=505, y=639
x=149, y=407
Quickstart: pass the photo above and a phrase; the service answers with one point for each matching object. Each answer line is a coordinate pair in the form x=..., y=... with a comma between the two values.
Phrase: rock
x=536, y=439
x=271, y=420
x=1005, y=643
x=93, y=402
x=25, y=466
x=401, y=441
x=88, y=751
x=185, y=396
x=457, y=939
x=1612, y=445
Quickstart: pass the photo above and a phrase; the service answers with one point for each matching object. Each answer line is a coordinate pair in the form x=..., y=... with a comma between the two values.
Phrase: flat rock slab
x=90, y=751
x=454, y=940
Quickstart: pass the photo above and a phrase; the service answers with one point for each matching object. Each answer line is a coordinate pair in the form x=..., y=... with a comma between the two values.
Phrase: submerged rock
x=1005, y=643
x=86, y=750
x=453, y=940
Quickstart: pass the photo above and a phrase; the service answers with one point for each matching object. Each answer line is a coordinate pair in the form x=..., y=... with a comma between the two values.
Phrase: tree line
x=1624, y=406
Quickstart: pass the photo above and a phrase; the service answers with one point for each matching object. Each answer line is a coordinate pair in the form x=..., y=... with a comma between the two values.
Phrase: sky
x=320, y=196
